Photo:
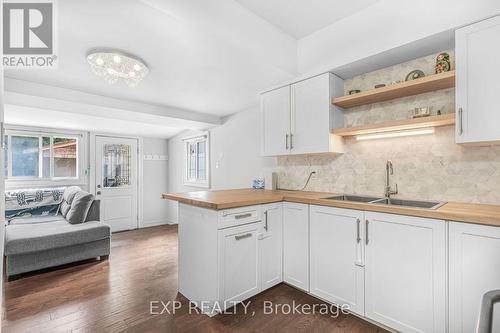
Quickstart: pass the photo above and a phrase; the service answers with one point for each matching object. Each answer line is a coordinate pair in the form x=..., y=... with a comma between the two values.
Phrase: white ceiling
x=211, y=57
x=300, y=18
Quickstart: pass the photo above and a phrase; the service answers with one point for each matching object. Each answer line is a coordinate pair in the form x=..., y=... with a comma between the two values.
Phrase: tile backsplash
x=425, y=167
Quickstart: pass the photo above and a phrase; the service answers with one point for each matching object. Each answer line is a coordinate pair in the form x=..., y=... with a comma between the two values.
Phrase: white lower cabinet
x=336, y=272
x=405, y=272
x=239, y=265
x=296, y=245
x=271, y=245
x=474, y=254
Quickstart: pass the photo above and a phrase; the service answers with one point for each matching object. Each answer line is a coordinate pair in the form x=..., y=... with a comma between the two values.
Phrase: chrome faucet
x=388, y=172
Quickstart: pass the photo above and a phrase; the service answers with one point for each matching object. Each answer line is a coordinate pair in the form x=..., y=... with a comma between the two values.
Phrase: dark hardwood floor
x=115, y=296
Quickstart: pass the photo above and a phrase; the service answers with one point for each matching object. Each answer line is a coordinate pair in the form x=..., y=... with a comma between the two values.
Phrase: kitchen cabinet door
x=275, y=113
x=337, y=256
x=312, y=115
x=239, y=266
x=405, y=272
x=474, y=253
x=296, y=245
x=271, y=245
x=477, y=82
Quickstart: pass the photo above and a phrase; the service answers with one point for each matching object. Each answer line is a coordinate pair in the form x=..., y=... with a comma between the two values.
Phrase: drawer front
x=238, y=216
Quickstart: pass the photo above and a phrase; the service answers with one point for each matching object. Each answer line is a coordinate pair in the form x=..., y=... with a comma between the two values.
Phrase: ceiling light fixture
x=396, y=134
x=115, y=66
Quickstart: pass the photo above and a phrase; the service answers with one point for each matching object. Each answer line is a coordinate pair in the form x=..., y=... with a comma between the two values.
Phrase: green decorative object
x=443, y=63
x=416, y=74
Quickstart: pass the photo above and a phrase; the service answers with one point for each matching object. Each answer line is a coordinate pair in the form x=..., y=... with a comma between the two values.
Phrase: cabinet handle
x=291, y=141
x=366, y=231
x=286, y=141
x=239, y=237
x=242, y=216
x=358, y=237
x=265, y=220
x=460, y=121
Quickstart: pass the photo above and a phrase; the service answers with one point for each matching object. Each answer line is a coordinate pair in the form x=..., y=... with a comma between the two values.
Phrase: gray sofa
x=74, y=234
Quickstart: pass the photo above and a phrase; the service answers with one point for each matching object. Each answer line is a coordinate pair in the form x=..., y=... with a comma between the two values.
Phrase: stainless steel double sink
x=388, y=202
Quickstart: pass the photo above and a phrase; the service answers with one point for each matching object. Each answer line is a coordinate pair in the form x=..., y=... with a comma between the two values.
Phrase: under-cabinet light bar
x=396, y=134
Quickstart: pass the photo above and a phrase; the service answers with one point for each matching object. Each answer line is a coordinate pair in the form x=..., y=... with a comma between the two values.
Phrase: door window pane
x=65, y=157
x=25, y=156
x=116, y=165
x=46, y=157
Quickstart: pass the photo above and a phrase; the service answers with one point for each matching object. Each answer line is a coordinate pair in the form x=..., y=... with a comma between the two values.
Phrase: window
x=33, y=156
x=197, y=161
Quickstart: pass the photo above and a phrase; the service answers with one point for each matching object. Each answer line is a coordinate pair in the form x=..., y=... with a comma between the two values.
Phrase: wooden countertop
x=224, y=199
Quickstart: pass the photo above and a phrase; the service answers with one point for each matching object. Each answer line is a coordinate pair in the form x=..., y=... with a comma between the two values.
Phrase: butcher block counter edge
x=225, y=199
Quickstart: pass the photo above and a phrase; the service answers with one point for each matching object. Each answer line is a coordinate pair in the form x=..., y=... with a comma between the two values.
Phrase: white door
x=474, y=270
x=405, y=272
x=271, y=245
x=337, y=256
x=116, y=181
x=275, y=108
x=310, y=120
x=478, y=86
x=296, y=245
x=239, y=273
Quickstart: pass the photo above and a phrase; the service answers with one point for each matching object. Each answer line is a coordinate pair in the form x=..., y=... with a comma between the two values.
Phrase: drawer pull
x=239, y=237
x=242, y=216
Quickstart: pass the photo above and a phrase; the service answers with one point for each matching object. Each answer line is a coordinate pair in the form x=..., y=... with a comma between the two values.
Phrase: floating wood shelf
x=408, y=88
x=398, y=125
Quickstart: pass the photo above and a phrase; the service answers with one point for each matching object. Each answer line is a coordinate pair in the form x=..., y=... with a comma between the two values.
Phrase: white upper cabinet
x=297, y=119
x=275, y=108
x=405, y=272
x=337, y=256
x=477, y=87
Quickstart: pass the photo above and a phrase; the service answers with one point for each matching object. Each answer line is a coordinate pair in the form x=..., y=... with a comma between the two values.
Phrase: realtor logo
x=28, y=34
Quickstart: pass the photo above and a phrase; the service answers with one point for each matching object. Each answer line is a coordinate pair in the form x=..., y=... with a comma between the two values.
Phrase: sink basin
x=410, y=203
x=388, y=202
x=355, y=198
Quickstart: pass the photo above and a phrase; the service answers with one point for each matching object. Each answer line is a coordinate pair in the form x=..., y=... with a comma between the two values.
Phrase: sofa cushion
x=79, y=207
x=67, y=199
x=36, y=219
x=44, y=236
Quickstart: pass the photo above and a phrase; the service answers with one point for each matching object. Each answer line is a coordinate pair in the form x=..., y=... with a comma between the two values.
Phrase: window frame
x=14, y=182
x=194, y=140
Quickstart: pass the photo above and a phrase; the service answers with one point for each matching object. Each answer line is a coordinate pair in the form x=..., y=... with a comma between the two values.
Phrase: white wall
x=235, y=156
x=155, y=180
x=383, y=26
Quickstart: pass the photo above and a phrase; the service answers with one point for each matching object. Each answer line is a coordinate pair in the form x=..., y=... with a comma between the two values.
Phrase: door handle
x=366, y=231
x=99, y=186
x=460, y=121
x=358, y=236
x=242, y=216
x=239, y=237
x=265, y=220
x=291, y=141
x=98, y=193
x=286, y=141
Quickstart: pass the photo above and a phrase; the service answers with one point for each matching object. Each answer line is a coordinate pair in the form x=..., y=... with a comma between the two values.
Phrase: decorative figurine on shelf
x=443, y=63
x=416, y=74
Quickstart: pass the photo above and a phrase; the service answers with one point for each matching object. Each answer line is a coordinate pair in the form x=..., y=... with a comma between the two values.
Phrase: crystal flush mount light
x=115, y=66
